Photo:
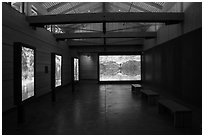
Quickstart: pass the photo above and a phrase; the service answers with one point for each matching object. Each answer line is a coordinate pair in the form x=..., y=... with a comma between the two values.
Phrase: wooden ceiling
x=54, y=8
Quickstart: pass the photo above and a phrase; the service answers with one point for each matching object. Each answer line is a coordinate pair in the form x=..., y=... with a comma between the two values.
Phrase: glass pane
x=58, y=69
x=27, y=73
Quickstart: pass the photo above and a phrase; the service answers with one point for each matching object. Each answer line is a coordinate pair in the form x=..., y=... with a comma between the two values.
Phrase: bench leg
x=187, y=119
x=178, y=119
x=133, y=89
x=136, y=90
x=182, y=119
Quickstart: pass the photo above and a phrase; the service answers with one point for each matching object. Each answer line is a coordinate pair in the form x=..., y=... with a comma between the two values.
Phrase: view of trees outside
x=76, y=69
x=58, y=69
x=27, y=73
x=120, y=67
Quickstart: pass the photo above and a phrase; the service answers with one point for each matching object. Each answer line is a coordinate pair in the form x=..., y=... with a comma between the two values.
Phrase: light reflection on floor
x=93, y=109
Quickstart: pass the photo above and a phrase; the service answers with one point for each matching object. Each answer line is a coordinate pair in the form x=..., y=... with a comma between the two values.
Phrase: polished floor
x=96, y=110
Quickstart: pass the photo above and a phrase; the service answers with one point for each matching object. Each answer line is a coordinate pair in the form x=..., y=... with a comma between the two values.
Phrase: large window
x=27, y=72
x=58, y=70
x=119, y=67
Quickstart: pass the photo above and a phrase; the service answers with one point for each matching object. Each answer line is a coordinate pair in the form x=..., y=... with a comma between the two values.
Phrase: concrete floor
x=93, y=109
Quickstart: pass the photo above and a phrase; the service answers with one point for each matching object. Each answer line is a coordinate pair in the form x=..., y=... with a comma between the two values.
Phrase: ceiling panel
x=94, y=7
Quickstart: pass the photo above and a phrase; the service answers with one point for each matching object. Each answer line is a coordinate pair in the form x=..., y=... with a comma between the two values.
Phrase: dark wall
x=175, y=67
x=89, y=66
x=15, y=28
x=88, y=56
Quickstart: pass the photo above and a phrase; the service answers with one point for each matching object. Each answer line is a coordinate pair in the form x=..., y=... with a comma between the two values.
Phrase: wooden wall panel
x=175, y=67
x=16, y=29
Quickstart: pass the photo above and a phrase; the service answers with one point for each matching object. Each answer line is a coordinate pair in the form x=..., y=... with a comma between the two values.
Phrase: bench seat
x=181, y=114
x=151, y=96
x=136, y=88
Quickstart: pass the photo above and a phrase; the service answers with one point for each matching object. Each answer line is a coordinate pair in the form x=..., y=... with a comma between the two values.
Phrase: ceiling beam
x=74, y=7
x=106, y=35
x=56, y=6
x=154, y=5
x=83, y=29
x=104, y=7
x=140, y=26
x=137, y=45
x=154, y=17
x=85, y=42
x=96, y=42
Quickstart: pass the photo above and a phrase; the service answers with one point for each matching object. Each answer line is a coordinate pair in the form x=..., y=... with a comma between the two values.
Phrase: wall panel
x=175, y=67
x=16, y=29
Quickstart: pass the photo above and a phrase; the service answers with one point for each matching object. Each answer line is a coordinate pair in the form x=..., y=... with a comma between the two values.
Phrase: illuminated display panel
x=119, y=67
x=58, y=70
x=27, y=72
x=76, y=69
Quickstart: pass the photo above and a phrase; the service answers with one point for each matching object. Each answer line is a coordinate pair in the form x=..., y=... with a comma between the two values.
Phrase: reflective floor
x=93, y=109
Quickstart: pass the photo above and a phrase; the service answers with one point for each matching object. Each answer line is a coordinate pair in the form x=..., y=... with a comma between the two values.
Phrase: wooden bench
x=152, y=97
x=136, y=88
x=182, y=116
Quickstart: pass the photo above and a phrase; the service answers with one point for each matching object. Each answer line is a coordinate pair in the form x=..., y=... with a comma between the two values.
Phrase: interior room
x=101, y=68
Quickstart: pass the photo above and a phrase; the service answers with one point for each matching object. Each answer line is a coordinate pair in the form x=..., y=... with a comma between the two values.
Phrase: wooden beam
x=106, y=35
x=84, y=29
x=140, y=26
x=138, y=45
x=124, y=40
x=154, y=5
x=56, y=6
x=170, y=18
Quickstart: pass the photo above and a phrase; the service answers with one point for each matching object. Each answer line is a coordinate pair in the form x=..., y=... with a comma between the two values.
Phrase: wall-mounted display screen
x=27, y=72
x=58, y=70
x=119, y=67
x=76, y=69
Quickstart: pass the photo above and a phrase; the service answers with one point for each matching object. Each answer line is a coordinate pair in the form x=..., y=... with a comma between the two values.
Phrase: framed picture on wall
x=56, y=70
x=76, y=69
x=24, y=72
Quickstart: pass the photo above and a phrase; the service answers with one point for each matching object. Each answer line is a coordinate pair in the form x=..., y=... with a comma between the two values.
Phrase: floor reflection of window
x=120, y=67
x=76, y=69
